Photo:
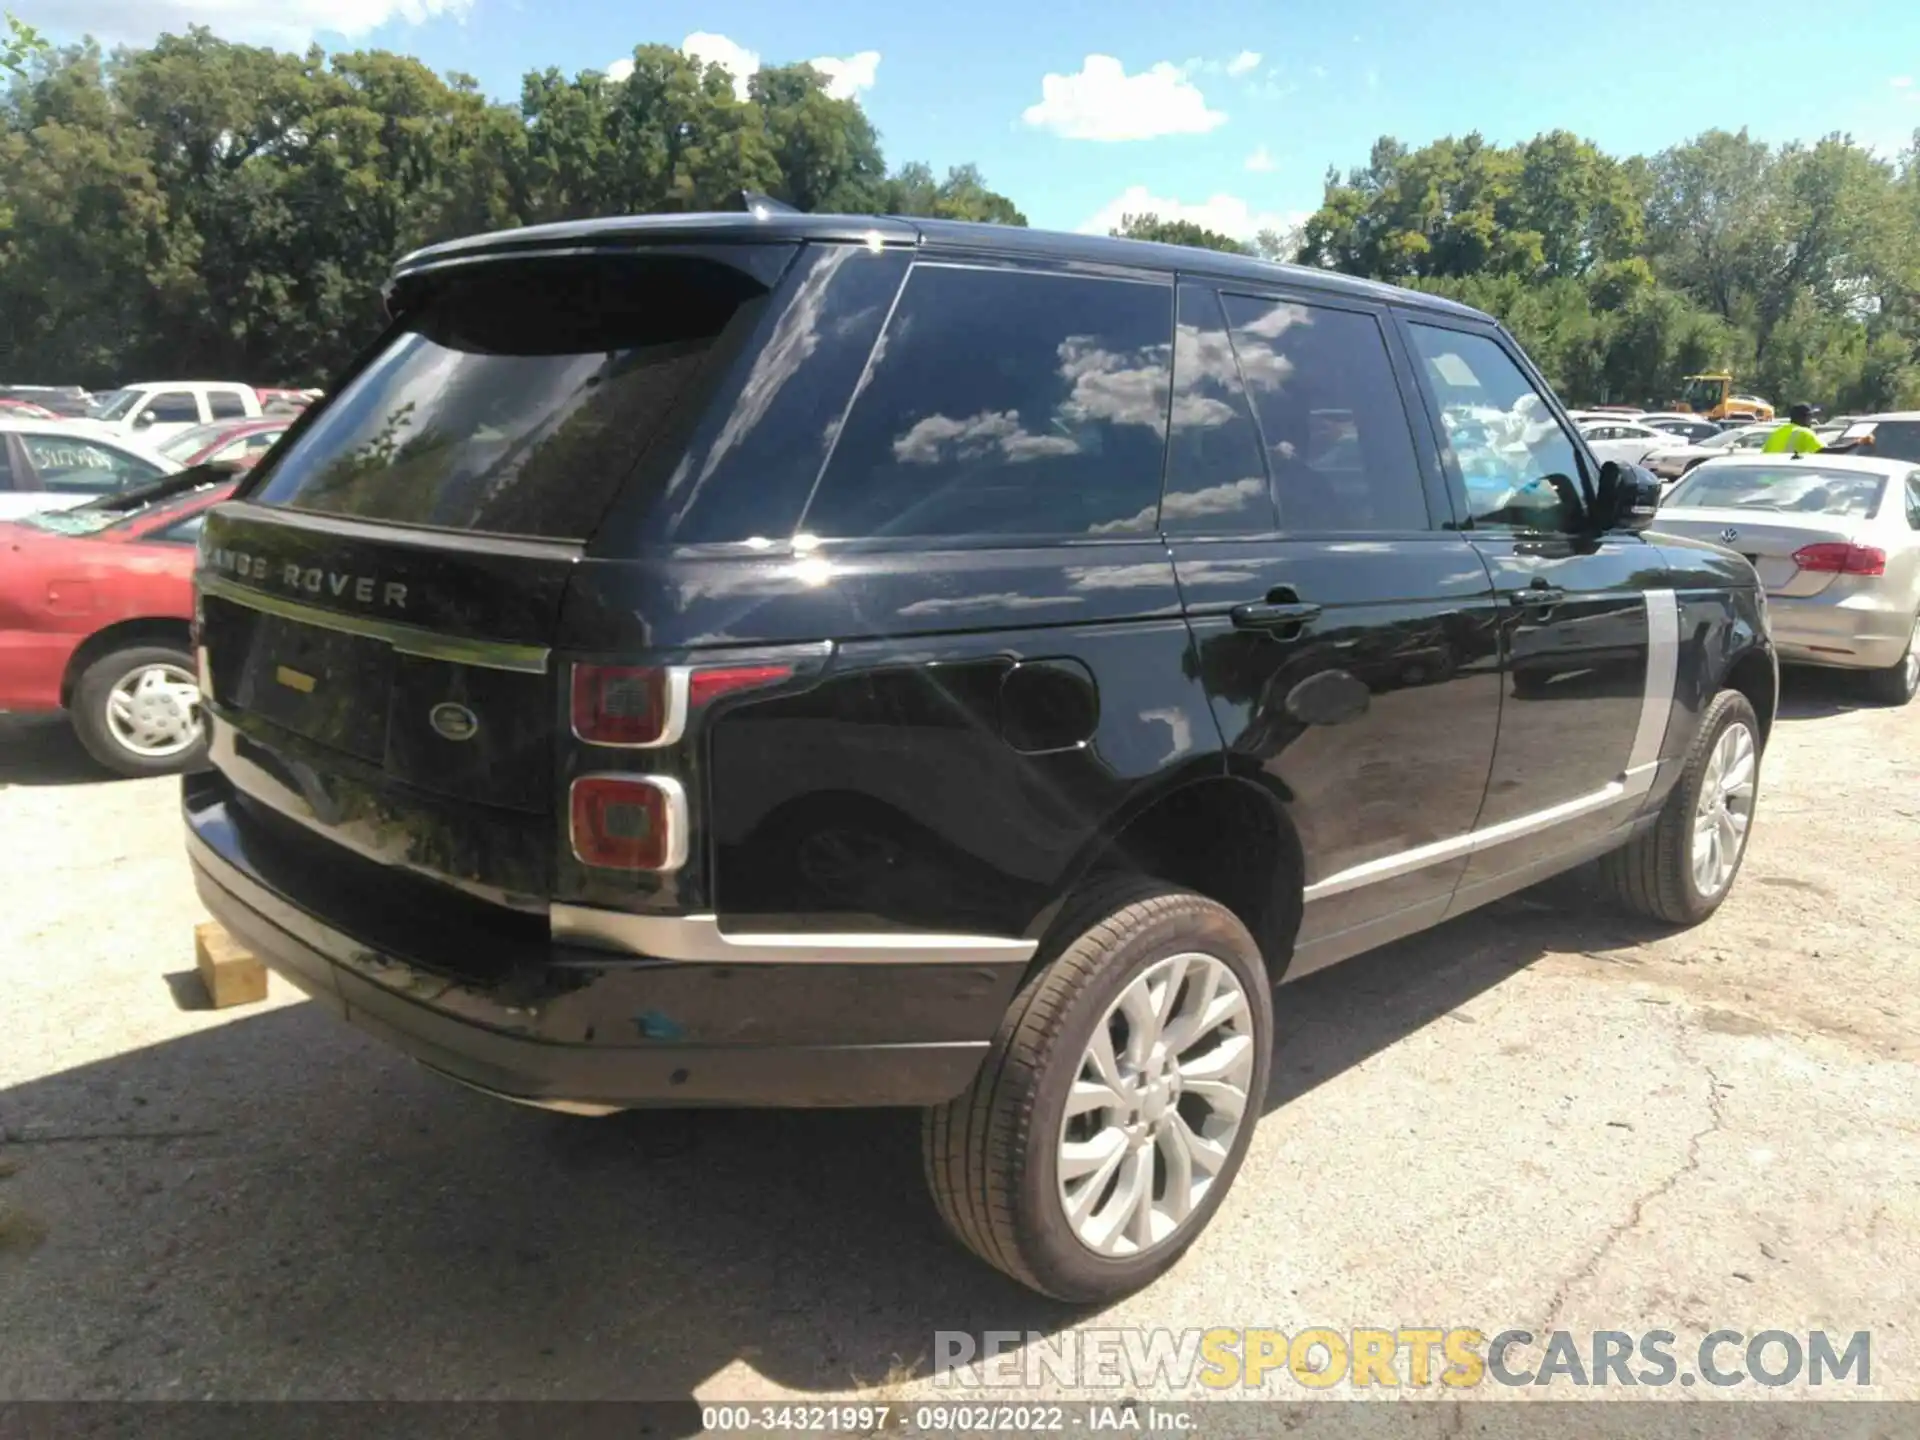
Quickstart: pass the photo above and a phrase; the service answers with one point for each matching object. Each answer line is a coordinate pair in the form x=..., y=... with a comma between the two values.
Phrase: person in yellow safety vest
x=1796, y=437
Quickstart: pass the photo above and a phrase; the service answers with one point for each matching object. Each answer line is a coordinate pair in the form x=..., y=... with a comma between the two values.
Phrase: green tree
x=1797, y=266
x=198, y=206
x=18, y=45
x=1177, y=232
x=963, y=195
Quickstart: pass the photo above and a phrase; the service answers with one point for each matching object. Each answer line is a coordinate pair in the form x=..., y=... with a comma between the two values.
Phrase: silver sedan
x=1836, y=543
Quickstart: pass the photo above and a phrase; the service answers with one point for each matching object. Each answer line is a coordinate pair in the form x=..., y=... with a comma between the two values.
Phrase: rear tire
x=1121, y=1215
x=1664, y=873
x=130, y=711
x=1897, y=684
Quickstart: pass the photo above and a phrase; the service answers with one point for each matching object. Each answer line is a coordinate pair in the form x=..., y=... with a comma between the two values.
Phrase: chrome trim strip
x=1389, y=867
x=677, y=823
x=699, y=938
x=678, y=678
x=1656, y=704
x=405, y=639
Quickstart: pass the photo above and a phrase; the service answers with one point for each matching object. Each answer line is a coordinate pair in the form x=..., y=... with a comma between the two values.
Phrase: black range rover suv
x=786, y=660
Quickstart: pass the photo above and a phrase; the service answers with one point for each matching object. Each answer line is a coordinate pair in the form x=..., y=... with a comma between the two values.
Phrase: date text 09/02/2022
x=942, y=1418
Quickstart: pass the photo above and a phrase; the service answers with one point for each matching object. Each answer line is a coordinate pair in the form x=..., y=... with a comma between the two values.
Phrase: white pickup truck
x=156, y=409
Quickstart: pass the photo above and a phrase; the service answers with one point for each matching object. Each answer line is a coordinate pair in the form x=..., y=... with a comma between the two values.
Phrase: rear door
x=1581, y=614
x=1346, y=637
x=378, y=609
x=1007, y=652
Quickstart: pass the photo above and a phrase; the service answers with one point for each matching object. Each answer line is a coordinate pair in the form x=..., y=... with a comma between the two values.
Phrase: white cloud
x=731, y=56
x=847, y=77
x=1243, y=62
x=1227, y=214
x=1902, y=82
x=1103, y=102
x=291, y=22
x=1260, y=161
x=941, y=439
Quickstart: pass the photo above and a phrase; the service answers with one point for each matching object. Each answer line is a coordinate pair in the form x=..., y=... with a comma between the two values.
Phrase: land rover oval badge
x=454, y=722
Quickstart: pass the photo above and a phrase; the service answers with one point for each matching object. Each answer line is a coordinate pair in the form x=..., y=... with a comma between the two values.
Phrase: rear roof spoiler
x=768, y=220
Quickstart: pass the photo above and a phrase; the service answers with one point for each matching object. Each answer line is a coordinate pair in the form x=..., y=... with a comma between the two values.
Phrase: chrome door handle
x=1271, y=615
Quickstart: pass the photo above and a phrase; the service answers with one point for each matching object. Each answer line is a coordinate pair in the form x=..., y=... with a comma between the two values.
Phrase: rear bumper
x=32, y=665
x=1858, y=631
x=589, y=1031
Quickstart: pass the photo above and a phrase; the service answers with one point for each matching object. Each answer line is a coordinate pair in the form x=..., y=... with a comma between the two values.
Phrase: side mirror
x=1629, y=497
x=143, y=420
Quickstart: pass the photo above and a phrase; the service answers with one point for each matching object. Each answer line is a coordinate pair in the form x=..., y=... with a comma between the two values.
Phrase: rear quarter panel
x=1722, y=622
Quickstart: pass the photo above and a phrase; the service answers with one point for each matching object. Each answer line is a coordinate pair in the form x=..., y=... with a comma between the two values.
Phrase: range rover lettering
x=858, y=661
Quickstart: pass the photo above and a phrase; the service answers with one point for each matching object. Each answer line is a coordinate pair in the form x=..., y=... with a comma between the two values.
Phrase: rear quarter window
x=1009, y=403
x=514, y=402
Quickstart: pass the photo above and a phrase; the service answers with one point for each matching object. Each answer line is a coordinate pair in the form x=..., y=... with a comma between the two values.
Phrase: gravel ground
x=1541, y=1117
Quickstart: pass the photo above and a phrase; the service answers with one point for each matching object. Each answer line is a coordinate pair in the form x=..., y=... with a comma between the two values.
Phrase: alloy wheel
x=1725, y=810
x=1156, y=1104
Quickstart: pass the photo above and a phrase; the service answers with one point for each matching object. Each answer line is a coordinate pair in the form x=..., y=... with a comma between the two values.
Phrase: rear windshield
x=512, y=403
x=1797, y=489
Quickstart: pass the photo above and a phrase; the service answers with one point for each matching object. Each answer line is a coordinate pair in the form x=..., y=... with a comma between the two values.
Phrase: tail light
x=643, y=708
x=1836, y=558
x=628, y=822
x=626, y=705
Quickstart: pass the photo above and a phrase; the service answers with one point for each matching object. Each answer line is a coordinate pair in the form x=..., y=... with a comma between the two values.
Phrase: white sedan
x=1835, y=541
x=1680, y=457
x=57, y=464
x=1626, y=441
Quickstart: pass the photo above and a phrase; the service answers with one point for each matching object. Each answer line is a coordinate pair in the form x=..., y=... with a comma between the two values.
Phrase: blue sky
x=1227, y=112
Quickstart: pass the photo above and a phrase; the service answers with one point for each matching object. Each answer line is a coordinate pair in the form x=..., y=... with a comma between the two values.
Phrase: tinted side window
x=1519, y=467
x=174, y=407
x=1216, y=478
x=1895, y=440
x=1913, y=500
x=1006, y=402
x=1336, y=436
x=226, y=405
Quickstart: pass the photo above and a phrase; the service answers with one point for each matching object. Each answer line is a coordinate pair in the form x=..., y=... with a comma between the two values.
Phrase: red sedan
x=239, y=443
x=25, y=410
x=95, y=605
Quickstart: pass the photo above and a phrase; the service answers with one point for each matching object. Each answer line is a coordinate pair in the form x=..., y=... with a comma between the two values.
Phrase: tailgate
x=390, y=691
x=376, y=611
x=423, y=656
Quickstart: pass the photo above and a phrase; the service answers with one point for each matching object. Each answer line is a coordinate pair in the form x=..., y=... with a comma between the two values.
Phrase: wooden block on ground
x=231, y=975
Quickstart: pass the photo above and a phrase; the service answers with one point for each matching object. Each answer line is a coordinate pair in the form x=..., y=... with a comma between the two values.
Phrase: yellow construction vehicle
x=1712, y=396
